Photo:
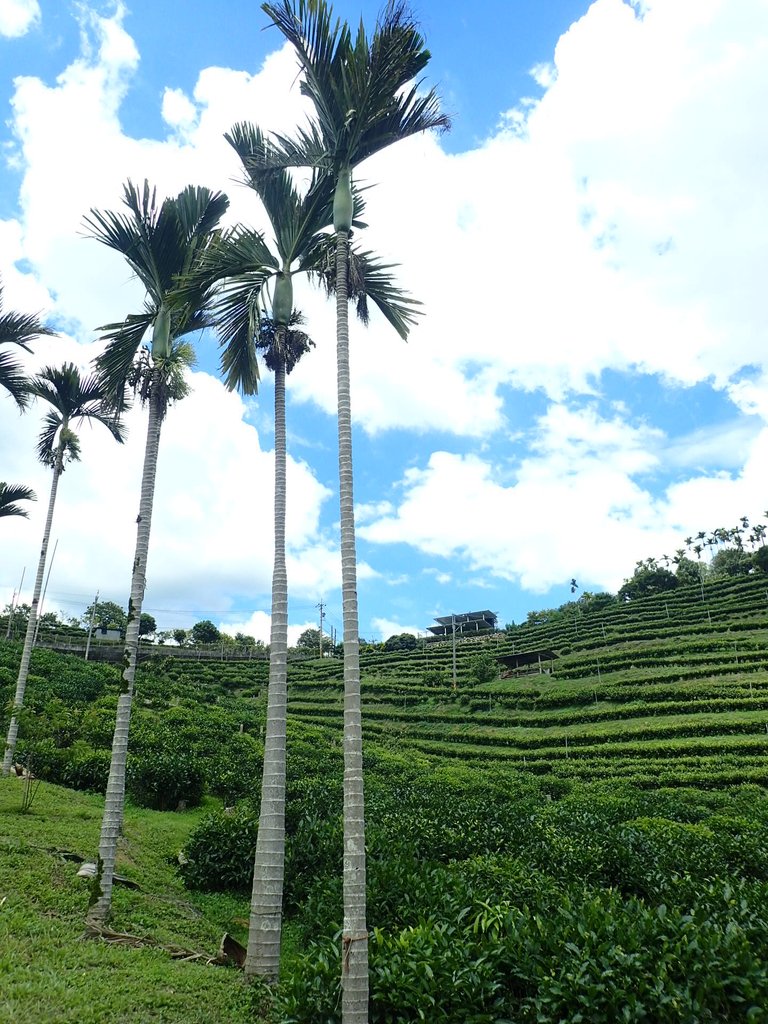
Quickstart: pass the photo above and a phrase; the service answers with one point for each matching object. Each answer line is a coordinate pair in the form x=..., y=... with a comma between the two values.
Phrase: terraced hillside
x=671, y=689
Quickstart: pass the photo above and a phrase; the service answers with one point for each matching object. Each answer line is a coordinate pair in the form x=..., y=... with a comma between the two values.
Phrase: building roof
x=448, y=620
x=525, y=658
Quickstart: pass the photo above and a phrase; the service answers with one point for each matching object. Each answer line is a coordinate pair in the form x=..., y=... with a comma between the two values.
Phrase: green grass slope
x=49, y=973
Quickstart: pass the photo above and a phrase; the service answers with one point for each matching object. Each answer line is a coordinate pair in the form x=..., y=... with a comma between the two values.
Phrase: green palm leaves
x=17, y=329
x=161, y=242
x=70, y=398
x=10, y=494
x=365, y=94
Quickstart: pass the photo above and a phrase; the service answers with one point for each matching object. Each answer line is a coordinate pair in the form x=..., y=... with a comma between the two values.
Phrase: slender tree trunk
x=354, y=958
x=263, y=955
x=29, y=636
x=112, y=822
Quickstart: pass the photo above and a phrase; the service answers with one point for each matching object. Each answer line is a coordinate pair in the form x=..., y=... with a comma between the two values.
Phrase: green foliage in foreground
x=48, y=974
x=499, y=899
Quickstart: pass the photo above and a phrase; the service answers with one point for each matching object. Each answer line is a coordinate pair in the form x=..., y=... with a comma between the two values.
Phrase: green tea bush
x=234, y=770
x=163, y=777
x=219, y=853
x=86, y=768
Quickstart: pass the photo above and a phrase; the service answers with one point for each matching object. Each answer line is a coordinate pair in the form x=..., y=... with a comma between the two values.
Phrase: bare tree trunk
x=112, y=822
x=354, y=951
x=263, y=954
x=29, y=636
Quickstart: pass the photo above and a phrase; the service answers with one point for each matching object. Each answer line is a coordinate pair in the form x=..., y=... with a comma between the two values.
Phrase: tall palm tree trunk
x=354, y=969
x=29, y=637
x=263, y=954
x=112, y=821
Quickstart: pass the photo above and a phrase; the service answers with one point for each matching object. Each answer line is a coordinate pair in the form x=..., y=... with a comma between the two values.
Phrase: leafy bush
x=165, y=776
x=219, y=853
x=484, y=668
x=86, y=768
x=434, y=677
x=234, y=771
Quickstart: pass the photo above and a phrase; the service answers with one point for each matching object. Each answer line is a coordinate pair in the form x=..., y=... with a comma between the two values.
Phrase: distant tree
x=648, y=578
x=589, y=602
x=147, y=624
x=204, y=632
x=484, y=668
x=760, y=560
x=106, y=615
x=401, y=642
x=309, y=641
x=10, y=494
x=690, y=573
x=180, y=636
x=245, y=640
x=731, y=562
x=19, y=617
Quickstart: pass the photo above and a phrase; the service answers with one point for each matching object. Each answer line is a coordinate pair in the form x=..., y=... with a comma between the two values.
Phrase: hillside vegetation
x=585, y=844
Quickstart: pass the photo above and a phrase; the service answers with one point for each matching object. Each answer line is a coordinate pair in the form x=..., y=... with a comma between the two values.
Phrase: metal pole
x=453, y=635
x=321, y=606
x=90, y=625
x=16, y=593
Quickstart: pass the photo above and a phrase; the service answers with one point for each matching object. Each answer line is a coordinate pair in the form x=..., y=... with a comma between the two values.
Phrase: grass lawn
x=49, y=974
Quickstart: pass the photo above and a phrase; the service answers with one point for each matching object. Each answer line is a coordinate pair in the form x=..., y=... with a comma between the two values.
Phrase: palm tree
x=160, y=241
x=365, y=99
x=72, y=399
x=17, y=329
x=247, y=267
x=10, y=494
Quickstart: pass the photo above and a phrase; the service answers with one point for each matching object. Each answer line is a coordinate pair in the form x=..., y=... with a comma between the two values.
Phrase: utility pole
x=16, y=593
x=453, y=635
x=321, y=606
x=90, y=625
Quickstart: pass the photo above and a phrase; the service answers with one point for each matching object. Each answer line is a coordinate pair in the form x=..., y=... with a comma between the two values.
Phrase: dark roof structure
x=463, y=623
x=526, y=660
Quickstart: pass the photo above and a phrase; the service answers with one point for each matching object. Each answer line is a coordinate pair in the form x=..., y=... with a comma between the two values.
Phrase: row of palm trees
x=365, y=96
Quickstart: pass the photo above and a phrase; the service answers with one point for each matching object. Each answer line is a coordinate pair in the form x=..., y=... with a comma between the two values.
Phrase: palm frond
x=12, y=493
x=295, y=218
x=12, y=378
x=17, y=329
x=71, y=398
x=367, y=278
x=46, y=442
x=357, y=89
x=287, y=347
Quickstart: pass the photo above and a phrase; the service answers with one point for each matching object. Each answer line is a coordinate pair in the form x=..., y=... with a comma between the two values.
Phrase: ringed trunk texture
x=263, y=953
x=354, y=942
x=29, y=636
x=112, y=822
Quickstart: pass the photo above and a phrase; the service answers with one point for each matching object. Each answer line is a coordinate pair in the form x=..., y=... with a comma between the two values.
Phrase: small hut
x=526, y=663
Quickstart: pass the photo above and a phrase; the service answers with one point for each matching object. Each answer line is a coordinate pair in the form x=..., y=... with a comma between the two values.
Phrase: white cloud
x=612, y=224
x=385, y=628
x=17, y=17
x=211, y=531
x=573, y=507
x=259, y=624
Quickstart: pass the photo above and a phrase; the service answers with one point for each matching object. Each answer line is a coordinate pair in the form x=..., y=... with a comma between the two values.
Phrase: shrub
x=86, y=768
x=484, y=668
x=234, y=771
x=219, y=853
x=161, y=778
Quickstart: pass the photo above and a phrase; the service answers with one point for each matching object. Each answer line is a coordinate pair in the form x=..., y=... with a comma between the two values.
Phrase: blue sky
x=588, y=382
